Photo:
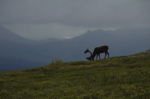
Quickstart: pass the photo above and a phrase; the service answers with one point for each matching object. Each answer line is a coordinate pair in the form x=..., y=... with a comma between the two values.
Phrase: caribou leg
x=96, y=57
x=105, y=55
x=108, y=54
x=99, y=56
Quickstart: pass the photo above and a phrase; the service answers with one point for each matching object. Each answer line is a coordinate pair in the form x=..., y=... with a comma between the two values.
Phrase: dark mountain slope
x=7, y=35
x=46, y=41
x=7, y=64
x=15, y=46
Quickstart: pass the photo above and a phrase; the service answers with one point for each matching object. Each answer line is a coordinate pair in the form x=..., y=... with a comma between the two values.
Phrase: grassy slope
x=117, y=77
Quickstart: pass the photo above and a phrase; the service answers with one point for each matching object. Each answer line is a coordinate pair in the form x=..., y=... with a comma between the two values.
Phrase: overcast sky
x=42, y=19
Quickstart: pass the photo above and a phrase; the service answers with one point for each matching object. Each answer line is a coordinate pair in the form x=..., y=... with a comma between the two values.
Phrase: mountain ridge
x=8, y=35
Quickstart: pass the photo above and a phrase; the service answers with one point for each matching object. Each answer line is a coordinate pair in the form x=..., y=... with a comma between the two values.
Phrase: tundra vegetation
x=124, y=77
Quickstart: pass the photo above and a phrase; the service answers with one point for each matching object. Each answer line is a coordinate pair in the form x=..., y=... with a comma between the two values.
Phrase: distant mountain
x=16, y=50
x=7, y=64
x=121, y=42
x=15, y=46
x=47, y=41
x=7, y=35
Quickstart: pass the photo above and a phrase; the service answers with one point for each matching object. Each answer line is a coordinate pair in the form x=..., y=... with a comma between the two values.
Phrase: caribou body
x=101, y=49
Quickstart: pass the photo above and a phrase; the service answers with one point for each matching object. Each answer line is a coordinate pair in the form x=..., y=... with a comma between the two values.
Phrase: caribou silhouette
x=97, y=51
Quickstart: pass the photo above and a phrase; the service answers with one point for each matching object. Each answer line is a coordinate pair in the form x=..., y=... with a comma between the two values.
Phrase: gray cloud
x=77, y=13
x=86, y=13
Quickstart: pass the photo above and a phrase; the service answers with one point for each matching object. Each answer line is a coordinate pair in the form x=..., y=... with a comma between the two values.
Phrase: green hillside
x=126, y=77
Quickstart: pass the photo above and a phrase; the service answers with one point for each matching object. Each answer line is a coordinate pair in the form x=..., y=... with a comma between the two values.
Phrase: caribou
x=97, y=51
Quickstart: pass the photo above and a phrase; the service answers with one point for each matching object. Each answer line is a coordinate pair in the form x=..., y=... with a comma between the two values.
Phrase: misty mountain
x=16, y=50
x=15, y=46
x=7, y=35
x=7, y=64
x=120, y=42
x=47, y=41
